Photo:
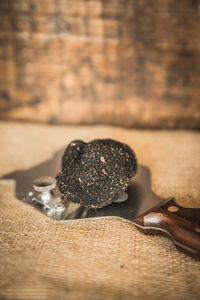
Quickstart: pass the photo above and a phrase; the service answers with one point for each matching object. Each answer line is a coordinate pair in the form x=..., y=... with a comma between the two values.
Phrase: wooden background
x=130, y=63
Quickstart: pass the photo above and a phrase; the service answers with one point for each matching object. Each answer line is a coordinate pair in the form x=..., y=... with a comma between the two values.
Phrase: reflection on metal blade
x=140, y=196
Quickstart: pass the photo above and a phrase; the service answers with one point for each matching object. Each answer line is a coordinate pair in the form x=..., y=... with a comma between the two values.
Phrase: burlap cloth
x=95, y=259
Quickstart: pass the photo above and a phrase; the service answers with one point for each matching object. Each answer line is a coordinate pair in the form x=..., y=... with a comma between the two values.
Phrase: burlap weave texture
x=95, y=259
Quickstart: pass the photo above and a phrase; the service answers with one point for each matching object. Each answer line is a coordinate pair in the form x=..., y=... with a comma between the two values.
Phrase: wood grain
x=129, y=63
x=181, y=225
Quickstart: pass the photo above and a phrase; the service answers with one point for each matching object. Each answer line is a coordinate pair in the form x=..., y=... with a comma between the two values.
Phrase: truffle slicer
x=146, y=210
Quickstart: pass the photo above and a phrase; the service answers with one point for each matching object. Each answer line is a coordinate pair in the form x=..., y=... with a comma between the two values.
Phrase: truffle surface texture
x=94, y=174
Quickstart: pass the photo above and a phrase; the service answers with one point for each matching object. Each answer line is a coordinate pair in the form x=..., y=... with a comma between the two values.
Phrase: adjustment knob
x=44, y=185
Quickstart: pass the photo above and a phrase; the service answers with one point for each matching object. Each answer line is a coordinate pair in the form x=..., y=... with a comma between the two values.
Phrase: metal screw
x=123, y=196
x=59, y=206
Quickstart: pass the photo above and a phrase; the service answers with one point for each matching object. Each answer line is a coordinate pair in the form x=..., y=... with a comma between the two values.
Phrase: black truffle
x=94, y=174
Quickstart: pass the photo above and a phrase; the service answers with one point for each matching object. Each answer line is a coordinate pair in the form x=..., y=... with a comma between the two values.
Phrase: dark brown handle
x=180, y=224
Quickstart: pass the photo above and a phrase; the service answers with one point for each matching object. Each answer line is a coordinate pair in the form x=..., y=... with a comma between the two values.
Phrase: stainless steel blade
x=140, y=200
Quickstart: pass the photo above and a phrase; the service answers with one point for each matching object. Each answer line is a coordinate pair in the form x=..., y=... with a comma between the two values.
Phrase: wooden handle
x=180, y=224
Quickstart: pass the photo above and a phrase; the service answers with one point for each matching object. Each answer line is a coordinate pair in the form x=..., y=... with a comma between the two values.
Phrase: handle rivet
x=197, y=229
x=173, y=208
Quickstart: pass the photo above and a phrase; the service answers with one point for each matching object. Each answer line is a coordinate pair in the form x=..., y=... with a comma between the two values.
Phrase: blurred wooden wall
x=132, y=63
